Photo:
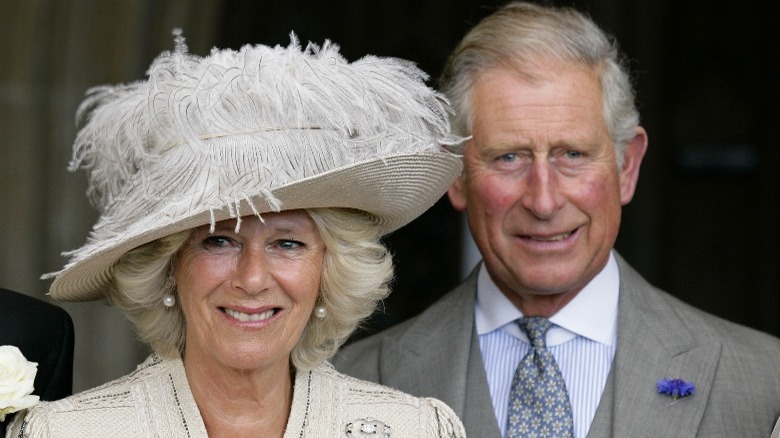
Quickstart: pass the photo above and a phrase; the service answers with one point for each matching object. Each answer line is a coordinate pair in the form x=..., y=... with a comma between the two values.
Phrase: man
x=554, y=153
x=44, y=334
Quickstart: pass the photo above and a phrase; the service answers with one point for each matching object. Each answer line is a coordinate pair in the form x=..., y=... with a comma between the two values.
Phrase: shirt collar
x=592, y=313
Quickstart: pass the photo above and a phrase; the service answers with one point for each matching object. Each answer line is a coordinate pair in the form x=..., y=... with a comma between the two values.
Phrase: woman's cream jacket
x=155, y=401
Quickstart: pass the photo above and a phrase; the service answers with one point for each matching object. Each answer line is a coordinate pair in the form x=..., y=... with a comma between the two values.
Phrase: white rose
x=17, y=376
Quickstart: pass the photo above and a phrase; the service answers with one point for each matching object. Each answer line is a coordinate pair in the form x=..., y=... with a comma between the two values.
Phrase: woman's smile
x=250, y=316
x=247, y=294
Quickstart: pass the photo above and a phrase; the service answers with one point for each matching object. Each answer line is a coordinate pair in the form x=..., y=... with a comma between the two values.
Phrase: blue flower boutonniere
x=676, y=388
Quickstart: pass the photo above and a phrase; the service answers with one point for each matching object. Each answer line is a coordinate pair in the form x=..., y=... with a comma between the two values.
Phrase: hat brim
x=394, y=189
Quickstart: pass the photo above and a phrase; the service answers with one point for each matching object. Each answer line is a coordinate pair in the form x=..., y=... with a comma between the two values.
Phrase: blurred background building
x=704, y=225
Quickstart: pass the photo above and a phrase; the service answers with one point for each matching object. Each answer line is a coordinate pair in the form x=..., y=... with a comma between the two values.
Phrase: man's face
x=541, y=185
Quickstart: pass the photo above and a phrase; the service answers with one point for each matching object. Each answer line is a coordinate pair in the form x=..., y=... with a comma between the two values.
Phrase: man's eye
x=573, y=154
x=508, y=157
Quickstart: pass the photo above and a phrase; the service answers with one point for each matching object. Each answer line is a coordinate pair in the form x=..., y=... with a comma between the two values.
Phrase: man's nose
x=542, y=195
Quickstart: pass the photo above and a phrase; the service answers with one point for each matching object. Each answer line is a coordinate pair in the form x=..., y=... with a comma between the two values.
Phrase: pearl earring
x=320, y=312
x=169, y=300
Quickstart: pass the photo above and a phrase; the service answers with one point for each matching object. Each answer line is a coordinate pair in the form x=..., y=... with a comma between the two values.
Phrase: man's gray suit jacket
x=734, y=368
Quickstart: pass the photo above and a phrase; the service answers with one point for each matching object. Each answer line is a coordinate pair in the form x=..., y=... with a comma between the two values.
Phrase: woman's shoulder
x=327, y=375
x=113, y=392
x=103, y=410
x=365, y=406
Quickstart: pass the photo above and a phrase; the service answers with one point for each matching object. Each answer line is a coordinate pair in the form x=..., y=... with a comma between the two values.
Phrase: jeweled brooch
x=368, y=428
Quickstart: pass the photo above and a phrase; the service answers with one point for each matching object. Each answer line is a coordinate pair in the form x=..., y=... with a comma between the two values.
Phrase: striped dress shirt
x=582, y=339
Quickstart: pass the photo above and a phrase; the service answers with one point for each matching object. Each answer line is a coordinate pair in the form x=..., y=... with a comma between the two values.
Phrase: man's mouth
x=552, y=238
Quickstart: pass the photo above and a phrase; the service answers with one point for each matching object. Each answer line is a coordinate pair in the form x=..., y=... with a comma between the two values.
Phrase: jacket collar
x=654, y=342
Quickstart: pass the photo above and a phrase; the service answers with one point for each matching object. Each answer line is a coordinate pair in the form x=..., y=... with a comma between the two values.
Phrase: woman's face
x=247, y=295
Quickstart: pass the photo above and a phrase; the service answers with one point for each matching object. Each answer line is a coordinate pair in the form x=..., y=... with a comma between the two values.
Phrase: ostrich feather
x=209, y=132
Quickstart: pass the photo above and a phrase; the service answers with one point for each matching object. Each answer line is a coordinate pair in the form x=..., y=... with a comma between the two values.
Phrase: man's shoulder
x=20, y=307
x=33, y=325
x=743, y=351
x=732, y=335
x=657, y=306
x=361, y=358
x=20, y=299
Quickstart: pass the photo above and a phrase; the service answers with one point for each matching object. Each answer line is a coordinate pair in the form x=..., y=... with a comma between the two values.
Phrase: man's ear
x=457, y=193
x=632, y=159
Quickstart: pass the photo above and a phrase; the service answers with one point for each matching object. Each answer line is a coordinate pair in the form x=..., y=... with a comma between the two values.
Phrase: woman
x=242, y=199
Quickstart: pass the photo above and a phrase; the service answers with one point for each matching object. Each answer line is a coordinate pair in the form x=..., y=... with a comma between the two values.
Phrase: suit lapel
x=479, y=412
x=445, y=337
x=653, y=343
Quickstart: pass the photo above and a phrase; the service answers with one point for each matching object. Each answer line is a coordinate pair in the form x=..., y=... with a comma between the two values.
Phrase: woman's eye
x=290, y=244
x=217, y=241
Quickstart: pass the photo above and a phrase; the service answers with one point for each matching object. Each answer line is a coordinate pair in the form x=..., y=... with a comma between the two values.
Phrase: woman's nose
x=251, y=273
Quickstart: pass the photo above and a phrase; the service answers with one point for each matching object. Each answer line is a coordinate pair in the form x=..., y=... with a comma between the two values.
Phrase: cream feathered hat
x=245, y=132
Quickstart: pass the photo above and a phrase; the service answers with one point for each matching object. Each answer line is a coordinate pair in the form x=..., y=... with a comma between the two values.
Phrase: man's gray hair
x=517, y=37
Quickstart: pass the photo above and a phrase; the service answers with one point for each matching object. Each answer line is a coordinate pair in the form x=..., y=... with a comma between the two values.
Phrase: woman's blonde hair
x=356, y=272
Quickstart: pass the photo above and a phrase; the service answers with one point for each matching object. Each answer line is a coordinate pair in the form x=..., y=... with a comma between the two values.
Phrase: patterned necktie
x=538, y=403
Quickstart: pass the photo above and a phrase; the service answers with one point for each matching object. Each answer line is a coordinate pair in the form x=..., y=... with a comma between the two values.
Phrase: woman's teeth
x=250, y=317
